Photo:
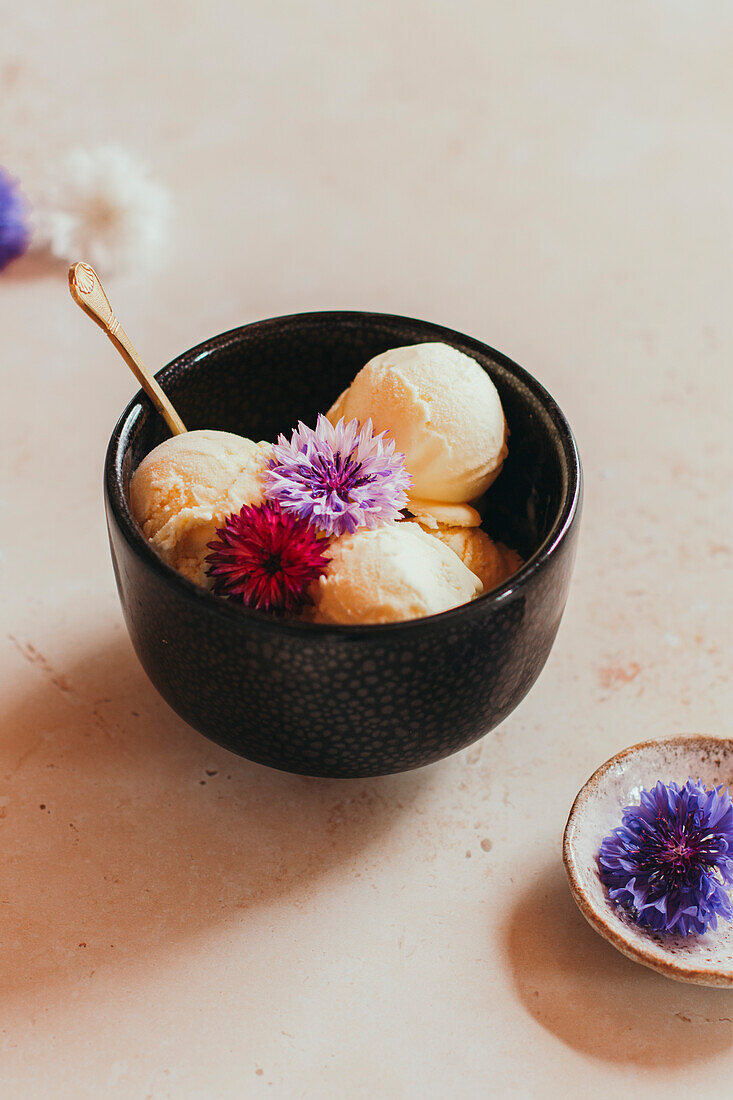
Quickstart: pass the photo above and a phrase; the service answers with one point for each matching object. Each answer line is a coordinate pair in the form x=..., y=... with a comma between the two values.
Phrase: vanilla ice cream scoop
x=389, y=574
x=443, y=412
x=186, y=487
x=492, y=562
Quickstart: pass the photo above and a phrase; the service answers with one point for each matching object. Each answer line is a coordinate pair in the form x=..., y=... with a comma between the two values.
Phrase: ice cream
x=444, y=413
x=185, y=488
x=327, y=511
x=492, y=562
x=388, y=574
x=431, y=514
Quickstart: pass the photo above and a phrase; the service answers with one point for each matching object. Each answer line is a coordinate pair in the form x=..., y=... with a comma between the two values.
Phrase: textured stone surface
x=552, y=179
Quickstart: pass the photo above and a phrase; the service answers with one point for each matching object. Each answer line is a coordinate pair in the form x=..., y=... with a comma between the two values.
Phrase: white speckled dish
x=704, y=960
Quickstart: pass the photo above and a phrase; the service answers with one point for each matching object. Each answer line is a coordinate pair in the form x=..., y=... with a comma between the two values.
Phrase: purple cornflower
x=339, y=478
x=671, y=859
x=14, y=230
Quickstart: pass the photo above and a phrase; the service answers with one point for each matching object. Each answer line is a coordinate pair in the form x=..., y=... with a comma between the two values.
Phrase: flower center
x=102, y=215
x=272, y=564
x=680, y=855
x=339, y=474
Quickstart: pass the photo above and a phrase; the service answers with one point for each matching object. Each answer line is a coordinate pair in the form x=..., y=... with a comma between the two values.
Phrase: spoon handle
x=88, y=292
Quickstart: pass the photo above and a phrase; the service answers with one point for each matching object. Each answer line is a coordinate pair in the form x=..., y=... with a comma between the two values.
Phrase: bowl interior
x=262, y=379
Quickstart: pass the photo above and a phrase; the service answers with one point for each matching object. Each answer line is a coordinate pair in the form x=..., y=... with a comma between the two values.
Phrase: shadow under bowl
x=345, y=701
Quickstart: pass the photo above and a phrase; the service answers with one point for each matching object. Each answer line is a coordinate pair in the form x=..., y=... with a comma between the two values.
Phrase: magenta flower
x=671, y=860
x=339, y=478
x=266, y=559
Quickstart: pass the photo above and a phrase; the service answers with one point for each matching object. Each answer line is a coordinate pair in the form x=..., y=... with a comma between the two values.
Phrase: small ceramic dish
x=345, y=700
x=597, y=810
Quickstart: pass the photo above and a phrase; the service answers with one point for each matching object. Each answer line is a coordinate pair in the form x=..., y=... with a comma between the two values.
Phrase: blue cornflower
x=338, y=477
x=671, y=859
x=14, y=229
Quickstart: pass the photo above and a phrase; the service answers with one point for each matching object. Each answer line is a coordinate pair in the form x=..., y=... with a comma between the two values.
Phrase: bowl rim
x=119, y=506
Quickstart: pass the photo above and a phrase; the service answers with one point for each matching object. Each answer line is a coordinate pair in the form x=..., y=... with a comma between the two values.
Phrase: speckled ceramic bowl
x=704, y=960
x=345, y=700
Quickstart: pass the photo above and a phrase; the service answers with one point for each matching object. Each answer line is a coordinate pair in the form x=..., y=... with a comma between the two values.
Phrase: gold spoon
x=88, y=292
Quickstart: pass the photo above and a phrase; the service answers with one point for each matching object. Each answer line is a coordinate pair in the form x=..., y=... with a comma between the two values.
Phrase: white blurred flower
x=101, y=206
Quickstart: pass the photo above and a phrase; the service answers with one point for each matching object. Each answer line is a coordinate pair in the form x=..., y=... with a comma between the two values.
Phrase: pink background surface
x=553, y=179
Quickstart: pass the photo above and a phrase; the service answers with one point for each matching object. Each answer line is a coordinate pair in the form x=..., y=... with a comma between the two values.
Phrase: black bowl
x=345, y=700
